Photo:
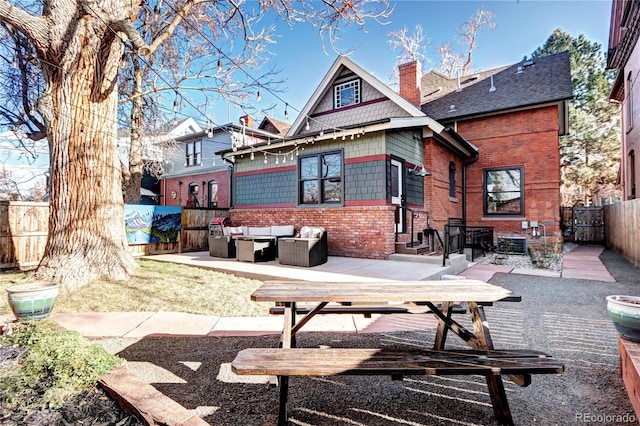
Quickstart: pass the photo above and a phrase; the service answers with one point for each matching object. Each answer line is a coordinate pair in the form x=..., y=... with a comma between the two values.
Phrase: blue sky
x=521, y=27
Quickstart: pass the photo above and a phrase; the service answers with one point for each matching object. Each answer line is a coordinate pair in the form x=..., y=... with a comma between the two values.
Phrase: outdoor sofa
x=225, y=245
x=309, y=249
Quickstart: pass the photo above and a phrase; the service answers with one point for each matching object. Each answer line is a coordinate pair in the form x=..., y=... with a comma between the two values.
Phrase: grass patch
x=52, y=365
x=157, y=286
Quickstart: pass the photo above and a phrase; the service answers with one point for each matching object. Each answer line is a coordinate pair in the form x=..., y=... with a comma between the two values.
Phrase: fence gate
x=584, y=224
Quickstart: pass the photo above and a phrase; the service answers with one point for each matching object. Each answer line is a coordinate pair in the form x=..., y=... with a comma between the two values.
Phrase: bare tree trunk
x=133, y=179
x=87, y=237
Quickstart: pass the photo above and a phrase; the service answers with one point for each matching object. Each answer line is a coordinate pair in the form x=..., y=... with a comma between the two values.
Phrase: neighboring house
x=196, y=176
x=354, y=159
x=154, y=145
x=624, y=57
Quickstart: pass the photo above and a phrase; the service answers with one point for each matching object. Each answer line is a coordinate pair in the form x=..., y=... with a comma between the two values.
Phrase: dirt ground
x=563, y=317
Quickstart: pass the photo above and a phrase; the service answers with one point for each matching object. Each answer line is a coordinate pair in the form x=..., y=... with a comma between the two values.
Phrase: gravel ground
x=564, y=317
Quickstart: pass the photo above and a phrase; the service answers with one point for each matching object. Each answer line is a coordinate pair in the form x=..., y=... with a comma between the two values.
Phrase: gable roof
x=279, y=127
x=434, y=84
x=537, y=81
x=330, y=77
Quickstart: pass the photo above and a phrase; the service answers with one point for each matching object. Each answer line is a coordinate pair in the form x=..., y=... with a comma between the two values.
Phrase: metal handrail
x=414, y=215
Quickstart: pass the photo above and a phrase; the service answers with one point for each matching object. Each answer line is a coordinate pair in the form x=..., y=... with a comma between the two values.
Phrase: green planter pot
x=32, y=301
x=625, y=314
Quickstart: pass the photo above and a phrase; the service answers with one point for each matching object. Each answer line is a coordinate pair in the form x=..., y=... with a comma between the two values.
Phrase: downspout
x=464, y=184
x=230, y=179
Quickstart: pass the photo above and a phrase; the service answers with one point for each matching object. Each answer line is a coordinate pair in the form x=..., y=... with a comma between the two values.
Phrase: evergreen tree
x=590, y=154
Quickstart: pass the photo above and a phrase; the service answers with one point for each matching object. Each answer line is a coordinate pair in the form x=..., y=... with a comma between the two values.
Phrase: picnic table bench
x=482, y=359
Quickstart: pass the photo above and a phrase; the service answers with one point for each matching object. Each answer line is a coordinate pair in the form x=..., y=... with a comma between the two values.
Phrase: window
x=504, y=191
x=321, y=178
x=193, y=154
x=629, y=102
x=632, y=175
x=213, y=194
x=346, y=94
x=452, y=179
x=192, y=199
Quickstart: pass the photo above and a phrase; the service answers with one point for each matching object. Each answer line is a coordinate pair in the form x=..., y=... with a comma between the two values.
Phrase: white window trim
x=337, y=89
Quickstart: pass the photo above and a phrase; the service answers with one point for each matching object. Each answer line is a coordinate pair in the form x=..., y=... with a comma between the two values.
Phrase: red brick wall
x=436, y=187
x=528, y=139
x=172, y=184
x=365, y=232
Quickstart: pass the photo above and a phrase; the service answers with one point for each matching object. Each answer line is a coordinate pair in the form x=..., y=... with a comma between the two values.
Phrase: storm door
x=397, y=195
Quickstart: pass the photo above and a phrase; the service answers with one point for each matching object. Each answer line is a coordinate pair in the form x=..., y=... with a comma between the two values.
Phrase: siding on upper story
x=365, y=174
x=210, y=162
x=373, y=107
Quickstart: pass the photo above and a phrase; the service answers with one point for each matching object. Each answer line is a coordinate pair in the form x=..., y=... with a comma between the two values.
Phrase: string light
x=176, y=103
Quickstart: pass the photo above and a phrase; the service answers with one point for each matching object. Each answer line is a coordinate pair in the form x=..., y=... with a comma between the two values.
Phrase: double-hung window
x=504, y=191
x=452, y=179
x=346, y=94
x=320, y=179
x=193, y=153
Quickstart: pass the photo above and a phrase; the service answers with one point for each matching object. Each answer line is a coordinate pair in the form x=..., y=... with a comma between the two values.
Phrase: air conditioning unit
x=512, y=245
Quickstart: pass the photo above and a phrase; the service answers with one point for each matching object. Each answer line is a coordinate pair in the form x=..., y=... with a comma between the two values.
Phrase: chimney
x=247, y=120
x=410, y=76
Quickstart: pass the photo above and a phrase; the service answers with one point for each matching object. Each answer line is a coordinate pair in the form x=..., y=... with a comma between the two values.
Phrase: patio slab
x=176, y=323
x=102, y=324
x=591, y=274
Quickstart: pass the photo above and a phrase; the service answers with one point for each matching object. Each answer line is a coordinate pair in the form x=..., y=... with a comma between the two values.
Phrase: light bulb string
x=255, y=80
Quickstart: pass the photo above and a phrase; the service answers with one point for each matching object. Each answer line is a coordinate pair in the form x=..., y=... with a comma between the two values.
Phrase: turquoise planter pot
x=625, y=314
x=33, y=301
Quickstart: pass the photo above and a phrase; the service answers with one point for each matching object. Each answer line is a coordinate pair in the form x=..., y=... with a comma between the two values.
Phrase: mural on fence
x=152, y=224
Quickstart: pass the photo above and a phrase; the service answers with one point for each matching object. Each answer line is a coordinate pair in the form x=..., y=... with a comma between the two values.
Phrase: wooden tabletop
x=388, y=291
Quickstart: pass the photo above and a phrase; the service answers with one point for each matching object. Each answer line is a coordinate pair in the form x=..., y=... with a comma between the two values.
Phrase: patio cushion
x=282, y=230
x=232, y=230
x=259, y=230
x=311, y=232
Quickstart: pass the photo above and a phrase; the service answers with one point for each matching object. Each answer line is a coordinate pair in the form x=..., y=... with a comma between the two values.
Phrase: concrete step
x=407, y=248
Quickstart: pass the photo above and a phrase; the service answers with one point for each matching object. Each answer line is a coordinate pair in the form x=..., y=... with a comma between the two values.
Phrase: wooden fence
x=621, y=229
x=582, y=224
x=24, y=228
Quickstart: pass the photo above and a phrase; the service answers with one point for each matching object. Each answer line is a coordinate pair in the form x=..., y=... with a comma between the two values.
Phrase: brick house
x=354, y=158
x=196, y=176
x=624, y=57
x=514, y=116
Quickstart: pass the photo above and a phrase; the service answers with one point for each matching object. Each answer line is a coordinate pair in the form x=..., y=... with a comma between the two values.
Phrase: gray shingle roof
x=541, y=80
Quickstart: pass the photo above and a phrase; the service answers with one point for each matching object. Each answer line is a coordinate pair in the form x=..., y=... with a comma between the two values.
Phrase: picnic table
x=439, y=296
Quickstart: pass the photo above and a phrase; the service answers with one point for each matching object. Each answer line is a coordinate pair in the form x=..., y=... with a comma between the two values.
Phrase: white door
x=396, y=191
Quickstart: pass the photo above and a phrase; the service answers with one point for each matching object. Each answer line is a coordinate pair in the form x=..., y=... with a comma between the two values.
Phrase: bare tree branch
x=412, y=45
x=33, y=27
